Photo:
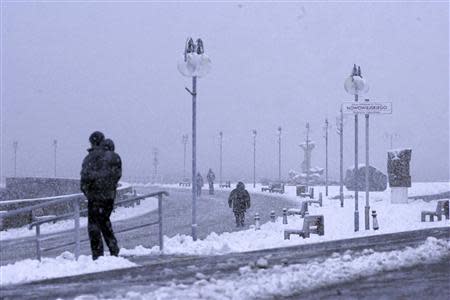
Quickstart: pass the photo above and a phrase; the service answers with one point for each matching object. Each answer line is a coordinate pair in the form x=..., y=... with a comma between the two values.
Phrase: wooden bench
x=442, y=208
x=320, y=201
x=278, y=188
x=299, y=211
x=227, y=184
x=274, y=188
x=300, y=189
x=309, y=195
x=311, y=225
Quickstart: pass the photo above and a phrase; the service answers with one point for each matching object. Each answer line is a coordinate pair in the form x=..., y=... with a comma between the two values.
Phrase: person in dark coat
x=199, y=182
x=211, y=177
x=239, y=201
x=98, y=183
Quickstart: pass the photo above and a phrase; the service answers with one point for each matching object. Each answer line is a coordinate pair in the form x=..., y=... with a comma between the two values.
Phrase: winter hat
x=96, y=138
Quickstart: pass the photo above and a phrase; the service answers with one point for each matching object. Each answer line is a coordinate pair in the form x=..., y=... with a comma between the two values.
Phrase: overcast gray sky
x=71, y=68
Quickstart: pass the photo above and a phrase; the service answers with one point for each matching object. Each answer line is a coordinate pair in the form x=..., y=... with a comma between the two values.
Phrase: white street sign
x=367, y=107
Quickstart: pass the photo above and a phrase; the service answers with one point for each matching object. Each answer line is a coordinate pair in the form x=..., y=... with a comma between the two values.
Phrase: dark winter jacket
x=239, y=198
x=211, y=176
x=97, y=180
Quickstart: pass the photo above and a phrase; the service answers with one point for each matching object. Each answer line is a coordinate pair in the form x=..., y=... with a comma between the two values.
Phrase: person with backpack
x=98, y=182
x=239, y=201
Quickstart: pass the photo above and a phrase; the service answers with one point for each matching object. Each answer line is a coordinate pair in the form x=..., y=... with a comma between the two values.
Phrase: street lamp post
x=356, y=85
x=155, y=164
x=254, y=157
x=326, y=157
x=195, y=63
x=340, y=131
x=184, y=140
x=55, y=145
x=308, y=157
x=15, y=146
x=391, y=137
x=279, y=153
x=220, y=156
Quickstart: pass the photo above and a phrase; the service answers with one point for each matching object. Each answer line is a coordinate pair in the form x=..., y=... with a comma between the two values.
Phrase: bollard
x=257, y=225
x=272, y=216
x=375, y=221
x=320, y=199
x=284, y=215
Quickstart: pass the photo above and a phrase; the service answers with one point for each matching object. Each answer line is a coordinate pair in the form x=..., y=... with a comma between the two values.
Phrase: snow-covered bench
x=310, y=194
x=442, y=208
x=227, y=184
x=299, y=211
x=311, y=224
x=274, y=188
x=185, y=182
x=315, y=201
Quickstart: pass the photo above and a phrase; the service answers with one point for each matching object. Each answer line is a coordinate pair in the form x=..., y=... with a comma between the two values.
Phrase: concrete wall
x=29, y=188
x=35, y=187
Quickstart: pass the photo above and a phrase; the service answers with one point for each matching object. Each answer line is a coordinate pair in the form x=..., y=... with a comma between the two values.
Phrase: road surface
x=418, y=282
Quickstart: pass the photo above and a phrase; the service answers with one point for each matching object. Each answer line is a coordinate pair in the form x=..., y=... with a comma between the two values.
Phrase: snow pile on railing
x=61, y=266
x=282, y=281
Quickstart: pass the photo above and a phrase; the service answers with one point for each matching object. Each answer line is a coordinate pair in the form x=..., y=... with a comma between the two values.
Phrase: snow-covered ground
x=120, y=213
x=339, y=224
x=61, y=266
x=417, y=189
x=281, y=281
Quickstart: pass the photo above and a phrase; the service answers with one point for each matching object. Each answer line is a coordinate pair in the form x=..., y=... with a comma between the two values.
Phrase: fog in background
x=71, y=68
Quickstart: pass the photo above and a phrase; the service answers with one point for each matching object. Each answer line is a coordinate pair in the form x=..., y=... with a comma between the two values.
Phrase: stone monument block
x=377, y=180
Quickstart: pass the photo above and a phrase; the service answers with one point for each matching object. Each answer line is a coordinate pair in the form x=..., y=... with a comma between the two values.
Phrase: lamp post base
x=367, y=217
x=356, y=220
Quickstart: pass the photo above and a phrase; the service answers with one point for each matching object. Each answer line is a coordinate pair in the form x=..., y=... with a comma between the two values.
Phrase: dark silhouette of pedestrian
x=199, y=182
x=100, y=173
x=239, y=201
x=211, y=177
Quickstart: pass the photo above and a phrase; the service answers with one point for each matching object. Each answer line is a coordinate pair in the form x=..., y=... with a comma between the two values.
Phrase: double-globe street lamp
x=195, y=63
x=356, y=85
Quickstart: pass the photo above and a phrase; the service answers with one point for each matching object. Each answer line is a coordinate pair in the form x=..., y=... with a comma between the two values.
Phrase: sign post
x=366, y=108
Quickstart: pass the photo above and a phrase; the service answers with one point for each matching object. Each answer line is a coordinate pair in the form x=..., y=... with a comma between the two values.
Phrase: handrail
x=70, y=215
x=59, y=197
x=76, y=217
x=42, y=205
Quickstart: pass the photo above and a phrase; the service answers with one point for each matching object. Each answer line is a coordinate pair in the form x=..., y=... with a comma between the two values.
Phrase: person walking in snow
x=199, y=182
x=99, y=176
x=211, y=177
x=239, y=201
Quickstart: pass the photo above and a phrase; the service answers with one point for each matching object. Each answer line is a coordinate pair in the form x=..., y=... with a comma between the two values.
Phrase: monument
x=399, y=174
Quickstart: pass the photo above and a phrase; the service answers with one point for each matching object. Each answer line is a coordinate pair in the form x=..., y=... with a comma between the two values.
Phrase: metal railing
x=76, y=200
